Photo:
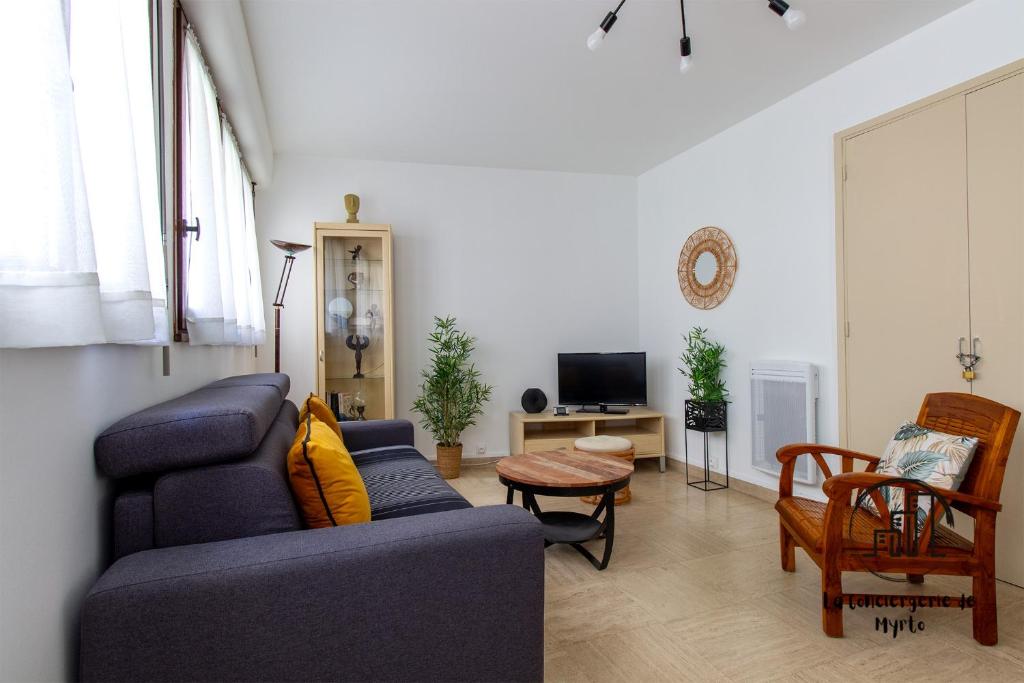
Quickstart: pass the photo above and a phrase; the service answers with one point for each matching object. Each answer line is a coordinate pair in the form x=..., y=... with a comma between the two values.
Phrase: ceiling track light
x=793, y=17
x=596, y=39
x=685, y=60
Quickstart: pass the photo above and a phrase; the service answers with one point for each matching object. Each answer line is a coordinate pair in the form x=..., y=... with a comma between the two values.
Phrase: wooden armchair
x=840, y=536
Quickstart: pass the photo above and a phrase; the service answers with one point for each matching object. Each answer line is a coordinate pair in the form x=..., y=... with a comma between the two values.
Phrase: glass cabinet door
x=355, y=354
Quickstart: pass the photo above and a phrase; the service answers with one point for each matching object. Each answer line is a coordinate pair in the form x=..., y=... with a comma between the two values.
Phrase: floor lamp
x=289, y=249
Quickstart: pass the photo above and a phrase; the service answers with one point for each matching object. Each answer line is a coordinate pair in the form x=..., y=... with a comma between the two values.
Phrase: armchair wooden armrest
x=787, y=455
x=838, y=487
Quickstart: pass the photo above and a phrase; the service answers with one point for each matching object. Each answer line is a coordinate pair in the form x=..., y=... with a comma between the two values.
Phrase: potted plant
x=703, y=361
x=451, y=395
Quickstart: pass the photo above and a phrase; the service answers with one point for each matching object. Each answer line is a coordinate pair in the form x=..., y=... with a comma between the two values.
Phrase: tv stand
x=530, y=432
x=604, y=409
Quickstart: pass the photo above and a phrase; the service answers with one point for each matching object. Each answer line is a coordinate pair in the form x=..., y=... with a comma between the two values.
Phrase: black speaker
x=534, y=401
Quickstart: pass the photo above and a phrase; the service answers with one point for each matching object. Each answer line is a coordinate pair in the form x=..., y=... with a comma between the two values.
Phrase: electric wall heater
x=783, y=397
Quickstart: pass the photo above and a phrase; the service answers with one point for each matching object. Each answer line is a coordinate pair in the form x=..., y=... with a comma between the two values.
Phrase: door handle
x=968, y=360
x=321, y=355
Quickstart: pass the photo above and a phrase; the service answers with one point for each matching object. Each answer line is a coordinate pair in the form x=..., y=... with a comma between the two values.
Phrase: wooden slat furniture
x=533, y=432
x=569, y=473
x=840, y=537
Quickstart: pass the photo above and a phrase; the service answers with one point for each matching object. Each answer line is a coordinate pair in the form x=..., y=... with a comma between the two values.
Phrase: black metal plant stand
x=707, y=418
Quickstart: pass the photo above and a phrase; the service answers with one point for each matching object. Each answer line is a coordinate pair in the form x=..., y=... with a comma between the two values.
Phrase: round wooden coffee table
x=570, y=474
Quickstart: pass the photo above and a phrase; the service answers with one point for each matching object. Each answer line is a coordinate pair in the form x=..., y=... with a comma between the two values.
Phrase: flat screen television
x=591, y=379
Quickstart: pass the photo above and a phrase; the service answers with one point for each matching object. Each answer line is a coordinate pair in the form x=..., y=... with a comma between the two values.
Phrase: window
x=81, y=260
x=218, y=293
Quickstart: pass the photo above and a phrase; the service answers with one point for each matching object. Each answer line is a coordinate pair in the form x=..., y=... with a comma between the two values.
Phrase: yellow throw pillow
x=324, y=479
x=314, y=404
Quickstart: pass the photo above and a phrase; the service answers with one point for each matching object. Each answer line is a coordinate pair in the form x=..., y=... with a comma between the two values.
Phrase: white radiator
x=783, y=396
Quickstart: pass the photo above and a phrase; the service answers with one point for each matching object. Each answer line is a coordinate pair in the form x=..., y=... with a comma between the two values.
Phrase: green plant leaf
x=451, y=393
x=703, y=361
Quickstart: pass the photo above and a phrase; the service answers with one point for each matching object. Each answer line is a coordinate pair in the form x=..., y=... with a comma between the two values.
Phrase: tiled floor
x=694, y=591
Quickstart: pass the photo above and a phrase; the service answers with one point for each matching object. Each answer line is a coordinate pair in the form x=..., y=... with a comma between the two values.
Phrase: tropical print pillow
x=939, y=460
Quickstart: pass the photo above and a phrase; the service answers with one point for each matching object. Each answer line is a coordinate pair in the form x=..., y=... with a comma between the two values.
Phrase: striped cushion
x=402, y=483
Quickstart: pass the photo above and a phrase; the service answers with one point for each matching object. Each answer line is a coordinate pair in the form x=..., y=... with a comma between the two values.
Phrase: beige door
x=995, y=160
x=906, y=268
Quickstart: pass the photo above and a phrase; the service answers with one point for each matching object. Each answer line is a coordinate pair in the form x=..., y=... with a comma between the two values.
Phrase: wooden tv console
x=545, y=432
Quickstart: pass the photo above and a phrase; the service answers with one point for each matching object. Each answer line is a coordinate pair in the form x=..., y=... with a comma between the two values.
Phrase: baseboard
x=754, y=490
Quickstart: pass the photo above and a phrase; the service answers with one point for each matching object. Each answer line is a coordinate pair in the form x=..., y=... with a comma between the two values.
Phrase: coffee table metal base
x=573, y=528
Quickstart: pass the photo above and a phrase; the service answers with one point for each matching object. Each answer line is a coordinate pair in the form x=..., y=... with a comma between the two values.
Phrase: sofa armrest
x=455, y=595
x=359, y=436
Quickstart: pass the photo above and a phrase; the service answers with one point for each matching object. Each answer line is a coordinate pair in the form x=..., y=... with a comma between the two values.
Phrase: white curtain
x=224, y=298
x=81, y=260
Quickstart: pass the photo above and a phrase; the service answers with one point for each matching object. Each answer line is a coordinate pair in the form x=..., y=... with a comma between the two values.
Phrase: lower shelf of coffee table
x=568, y=527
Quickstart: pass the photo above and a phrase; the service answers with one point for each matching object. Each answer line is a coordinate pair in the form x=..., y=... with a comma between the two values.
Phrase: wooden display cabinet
x=355, y=317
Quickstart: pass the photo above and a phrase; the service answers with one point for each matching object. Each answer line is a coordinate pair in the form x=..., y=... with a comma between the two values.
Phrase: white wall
x=531, y=263
x=768, y=182
x=54, y=508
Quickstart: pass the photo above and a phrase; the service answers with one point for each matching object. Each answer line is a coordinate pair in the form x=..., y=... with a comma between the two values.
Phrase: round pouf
x=615, y=446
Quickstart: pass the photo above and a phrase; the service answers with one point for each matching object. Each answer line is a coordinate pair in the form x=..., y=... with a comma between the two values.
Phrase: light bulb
x=595, y=39
x=794, y=18
x=685, y=50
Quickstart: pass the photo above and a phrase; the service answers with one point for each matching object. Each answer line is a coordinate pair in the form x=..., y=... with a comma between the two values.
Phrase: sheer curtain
x=81, y=260
x=224, y=300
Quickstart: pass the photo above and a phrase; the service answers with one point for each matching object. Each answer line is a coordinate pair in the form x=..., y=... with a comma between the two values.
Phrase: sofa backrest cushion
x=133, y=521
x=249, y=497
x=278, y=380
x=218, y=423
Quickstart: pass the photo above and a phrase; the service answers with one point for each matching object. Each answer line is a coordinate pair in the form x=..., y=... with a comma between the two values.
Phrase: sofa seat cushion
x=402, y=483
x=217, y=423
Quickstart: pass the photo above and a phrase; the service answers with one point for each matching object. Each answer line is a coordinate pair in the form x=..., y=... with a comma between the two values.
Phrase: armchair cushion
x=935, y=458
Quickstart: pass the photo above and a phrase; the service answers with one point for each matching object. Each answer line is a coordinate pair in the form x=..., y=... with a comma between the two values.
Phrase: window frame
x=178, y=272
x=179, y=329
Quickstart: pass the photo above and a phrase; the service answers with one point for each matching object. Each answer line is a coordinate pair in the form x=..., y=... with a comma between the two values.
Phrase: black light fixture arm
x=778, y=6
x=610, y=18
x=684, y=42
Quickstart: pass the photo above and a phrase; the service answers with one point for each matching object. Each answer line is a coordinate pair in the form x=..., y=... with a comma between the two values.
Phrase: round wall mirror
x=707, y=267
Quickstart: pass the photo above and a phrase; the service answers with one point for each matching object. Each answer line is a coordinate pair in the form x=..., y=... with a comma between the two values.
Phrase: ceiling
x=510, y=83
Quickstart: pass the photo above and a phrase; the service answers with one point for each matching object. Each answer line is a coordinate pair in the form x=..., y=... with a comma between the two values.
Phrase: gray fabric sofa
x=215, y=578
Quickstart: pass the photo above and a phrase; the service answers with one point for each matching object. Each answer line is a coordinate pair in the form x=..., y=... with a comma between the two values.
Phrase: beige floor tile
x=694, y=591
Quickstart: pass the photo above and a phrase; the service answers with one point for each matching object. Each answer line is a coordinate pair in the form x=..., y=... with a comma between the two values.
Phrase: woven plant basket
x=449, y=461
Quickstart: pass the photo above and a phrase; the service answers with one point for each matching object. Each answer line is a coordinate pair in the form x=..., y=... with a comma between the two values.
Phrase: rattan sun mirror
x=707, y=267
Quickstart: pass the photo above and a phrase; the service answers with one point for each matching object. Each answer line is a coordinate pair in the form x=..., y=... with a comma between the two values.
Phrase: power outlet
x=481, y=449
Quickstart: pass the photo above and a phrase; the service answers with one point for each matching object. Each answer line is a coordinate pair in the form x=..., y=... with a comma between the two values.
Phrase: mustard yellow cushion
x=324, y=479
x=314, y=404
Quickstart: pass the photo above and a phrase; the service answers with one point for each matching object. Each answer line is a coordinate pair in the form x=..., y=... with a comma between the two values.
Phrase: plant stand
x=706, y=418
